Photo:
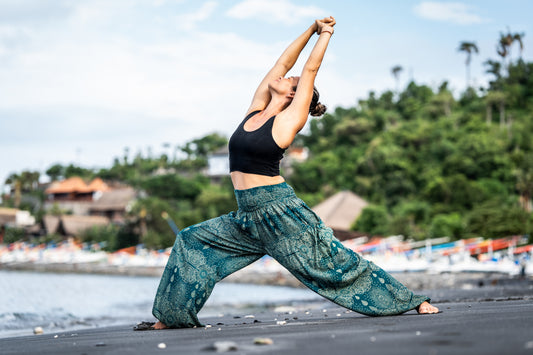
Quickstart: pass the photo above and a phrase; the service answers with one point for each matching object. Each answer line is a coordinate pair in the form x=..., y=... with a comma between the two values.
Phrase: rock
x=38, y=330
x=281, y=322
x=162, y=346
x=263, y=341
x=223, y=346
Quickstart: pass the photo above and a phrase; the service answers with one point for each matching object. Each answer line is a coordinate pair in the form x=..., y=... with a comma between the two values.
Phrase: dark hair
x=316, y=108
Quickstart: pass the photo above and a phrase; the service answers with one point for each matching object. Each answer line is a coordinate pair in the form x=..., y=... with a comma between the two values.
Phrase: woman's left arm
x=296, y=114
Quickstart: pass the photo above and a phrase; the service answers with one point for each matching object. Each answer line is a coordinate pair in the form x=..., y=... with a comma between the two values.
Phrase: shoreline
x=414, y=280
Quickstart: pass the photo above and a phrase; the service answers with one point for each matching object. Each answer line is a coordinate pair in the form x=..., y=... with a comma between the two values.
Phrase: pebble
x=56, y=336
x=38, y=330
x=208, y=326
x=100, y=344
x=263, y=341
x=223, y=346
x=162, y=346
x=249, y=316
x=281, y=322
x=338, y=314
x=418, y=332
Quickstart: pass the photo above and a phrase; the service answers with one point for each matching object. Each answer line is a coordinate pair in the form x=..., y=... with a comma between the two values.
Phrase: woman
x=270, y=218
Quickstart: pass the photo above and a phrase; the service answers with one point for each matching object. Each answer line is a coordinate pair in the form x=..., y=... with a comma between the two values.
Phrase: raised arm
x=296, y=114
x=283, y=65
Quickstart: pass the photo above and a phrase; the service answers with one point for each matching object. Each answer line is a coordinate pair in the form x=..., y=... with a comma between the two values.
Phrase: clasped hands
x=326, y=24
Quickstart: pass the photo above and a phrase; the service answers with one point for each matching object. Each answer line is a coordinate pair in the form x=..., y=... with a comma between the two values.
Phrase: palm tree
x=503, y=47
x=468, y=48
x=396, y=70
x=506, y=42
x=518, y=38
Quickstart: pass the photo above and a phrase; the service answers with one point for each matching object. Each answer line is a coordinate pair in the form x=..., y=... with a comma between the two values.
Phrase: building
x=114, y=204
x=14, y=218
x=74, y=195
x=218, y=164
x=87, y=205
x=72, y=226
x=340, y=211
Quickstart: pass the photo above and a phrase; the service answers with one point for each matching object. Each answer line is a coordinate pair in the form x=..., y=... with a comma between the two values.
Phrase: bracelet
x=330, y=32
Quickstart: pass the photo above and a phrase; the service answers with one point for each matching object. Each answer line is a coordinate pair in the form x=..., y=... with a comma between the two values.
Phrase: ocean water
x=63, y=302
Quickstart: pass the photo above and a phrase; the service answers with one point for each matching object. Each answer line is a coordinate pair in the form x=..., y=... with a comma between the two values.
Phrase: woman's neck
x=275, y=106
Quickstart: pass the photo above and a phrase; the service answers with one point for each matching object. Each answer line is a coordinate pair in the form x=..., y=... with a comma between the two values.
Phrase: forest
x=430, y=162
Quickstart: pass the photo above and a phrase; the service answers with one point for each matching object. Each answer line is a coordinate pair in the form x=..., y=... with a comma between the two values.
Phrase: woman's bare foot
x=159, y=326
x=426, y=308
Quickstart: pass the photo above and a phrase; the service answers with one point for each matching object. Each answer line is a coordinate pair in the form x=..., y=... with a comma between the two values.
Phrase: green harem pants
x=272, y=220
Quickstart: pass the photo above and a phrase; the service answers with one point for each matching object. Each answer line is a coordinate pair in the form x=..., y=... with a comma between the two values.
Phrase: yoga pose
x=270, y=218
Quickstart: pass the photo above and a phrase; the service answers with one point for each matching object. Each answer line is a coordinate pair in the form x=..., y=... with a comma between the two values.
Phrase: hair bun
x=318, y=110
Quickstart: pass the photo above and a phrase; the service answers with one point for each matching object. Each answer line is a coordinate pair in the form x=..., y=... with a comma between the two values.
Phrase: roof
x=71, y=224
x=77, y=185
x=98, y=185
x=116, y=199
x=340, y=210
x=51, y=223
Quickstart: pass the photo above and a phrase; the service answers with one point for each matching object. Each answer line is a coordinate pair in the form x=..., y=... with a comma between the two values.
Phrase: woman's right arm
x=295, y=116
x=285, y=62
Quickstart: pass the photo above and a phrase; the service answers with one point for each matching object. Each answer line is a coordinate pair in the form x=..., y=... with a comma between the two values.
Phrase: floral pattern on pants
x=272, y=220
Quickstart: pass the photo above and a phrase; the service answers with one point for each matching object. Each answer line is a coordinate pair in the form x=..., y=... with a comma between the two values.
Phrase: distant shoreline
x=415, y=280
x=85, y=268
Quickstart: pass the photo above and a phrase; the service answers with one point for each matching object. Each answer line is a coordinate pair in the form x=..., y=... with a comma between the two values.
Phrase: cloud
x=454, y=12
x=189, y=21
x=282, y=11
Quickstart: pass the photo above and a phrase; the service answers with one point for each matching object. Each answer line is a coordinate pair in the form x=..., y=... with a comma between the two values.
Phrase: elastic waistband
x=256, y=197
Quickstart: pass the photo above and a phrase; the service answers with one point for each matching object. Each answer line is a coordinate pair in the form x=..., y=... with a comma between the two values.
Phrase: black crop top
x=255, y=152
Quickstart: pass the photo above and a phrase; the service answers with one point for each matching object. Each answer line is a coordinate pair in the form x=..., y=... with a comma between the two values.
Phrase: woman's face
x=284, y=86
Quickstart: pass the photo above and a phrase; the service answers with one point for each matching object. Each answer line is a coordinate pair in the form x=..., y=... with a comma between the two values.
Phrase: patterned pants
x=272, y=220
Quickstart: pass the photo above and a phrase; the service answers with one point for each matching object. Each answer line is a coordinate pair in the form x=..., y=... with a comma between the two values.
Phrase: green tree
x=173, y=186
x=447, y=225
x=373, y=220
x=201, y=147
x=55, y=172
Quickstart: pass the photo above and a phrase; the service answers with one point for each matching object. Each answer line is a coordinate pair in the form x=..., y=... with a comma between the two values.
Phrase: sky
x=81, y=80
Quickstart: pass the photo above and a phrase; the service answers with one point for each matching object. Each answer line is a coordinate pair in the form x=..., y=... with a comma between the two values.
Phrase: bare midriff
x=244, y=181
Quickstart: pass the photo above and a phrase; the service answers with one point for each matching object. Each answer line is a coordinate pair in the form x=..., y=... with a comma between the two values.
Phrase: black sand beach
x=484, y=316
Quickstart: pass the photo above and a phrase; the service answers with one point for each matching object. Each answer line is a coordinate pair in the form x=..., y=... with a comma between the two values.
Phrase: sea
x=66, y=302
